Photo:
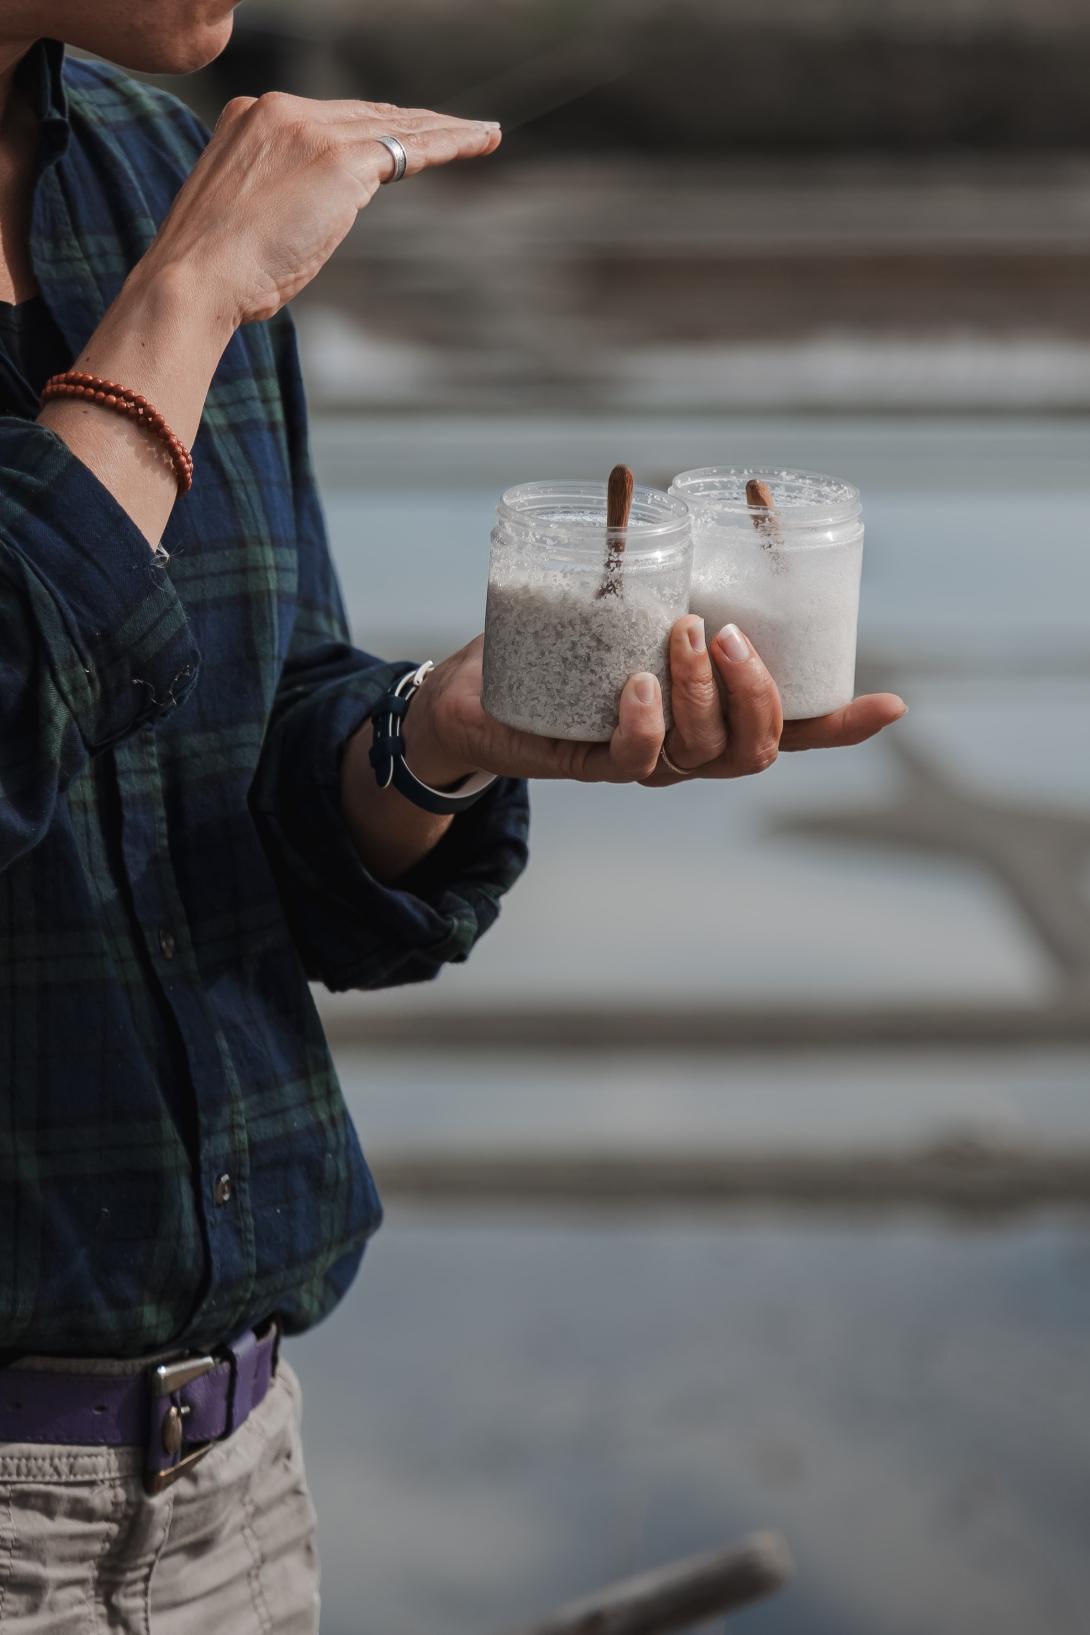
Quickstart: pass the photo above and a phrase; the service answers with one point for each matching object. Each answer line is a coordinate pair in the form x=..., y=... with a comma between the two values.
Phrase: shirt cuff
x=110, y=621
x=353, y=931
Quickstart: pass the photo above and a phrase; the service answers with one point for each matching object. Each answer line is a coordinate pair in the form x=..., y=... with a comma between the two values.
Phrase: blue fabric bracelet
x=388, y=753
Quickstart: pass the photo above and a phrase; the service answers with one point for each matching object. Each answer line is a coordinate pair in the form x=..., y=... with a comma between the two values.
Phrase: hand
x=738, y=729
x=265, y=206
x=728, y=735
x=281, y=183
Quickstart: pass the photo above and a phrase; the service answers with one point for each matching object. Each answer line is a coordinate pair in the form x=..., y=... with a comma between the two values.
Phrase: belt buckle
x=165, y=1381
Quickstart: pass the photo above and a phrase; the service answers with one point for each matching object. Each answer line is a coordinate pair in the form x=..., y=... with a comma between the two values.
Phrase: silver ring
x=679, y=772
x=397, y=153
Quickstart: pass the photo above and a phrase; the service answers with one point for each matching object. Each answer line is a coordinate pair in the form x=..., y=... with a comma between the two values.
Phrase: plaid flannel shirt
x=174, y=863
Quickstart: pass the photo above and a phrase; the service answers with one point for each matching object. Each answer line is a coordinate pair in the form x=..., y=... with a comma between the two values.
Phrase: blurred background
x=742, y=1177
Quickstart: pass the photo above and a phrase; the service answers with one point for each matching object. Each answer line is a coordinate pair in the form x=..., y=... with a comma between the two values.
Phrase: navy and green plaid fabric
x=173, y=860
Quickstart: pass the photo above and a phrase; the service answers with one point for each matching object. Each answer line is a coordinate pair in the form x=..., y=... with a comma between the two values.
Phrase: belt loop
x=243, y=1355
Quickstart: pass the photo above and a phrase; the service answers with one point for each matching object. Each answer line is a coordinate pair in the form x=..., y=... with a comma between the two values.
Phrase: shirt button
x=167, y=944
x=223, y=1191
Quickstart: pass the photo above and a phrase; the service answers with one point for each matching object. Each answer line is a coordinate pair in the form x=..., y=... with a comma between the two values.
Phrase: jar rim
x=519, y=504
x=836, y=501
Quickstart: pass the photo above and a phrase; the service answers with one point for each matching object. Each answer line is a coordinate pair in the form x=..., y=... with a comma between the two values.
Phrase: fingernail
x=695, y=633
x=733, y=643
x=491, y=124
x=646, y=689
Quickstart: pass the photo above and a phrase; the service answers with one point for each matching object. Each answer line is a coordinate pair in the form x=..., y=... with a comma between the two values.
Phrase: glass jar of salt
x=779, y=553
x=576, y=607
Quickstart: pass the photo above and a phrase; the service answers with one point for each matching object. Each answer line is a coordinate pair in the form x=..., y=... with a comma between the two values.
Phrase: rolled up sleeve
x=351, y=930
x=105, y=617
x=94, y=642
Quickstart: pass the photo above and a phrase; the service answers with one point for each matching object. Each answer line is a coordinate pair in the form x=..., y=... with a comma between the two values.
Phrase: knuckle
x=276, y=104
x=572, y=761
x=697, y=692
x=327, y=146
x=700, y=748
x=765, y=755
x=639, y=758
x=235, y=109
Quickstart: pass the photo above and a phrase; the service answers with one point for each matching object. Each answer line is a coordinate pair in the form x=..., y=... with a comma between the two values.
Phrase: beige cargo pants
x=228, y=1550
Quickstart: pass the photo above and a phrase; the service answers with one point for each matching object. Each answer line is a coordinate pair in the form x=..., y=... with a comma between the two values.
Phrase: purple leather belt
x=174, y=1410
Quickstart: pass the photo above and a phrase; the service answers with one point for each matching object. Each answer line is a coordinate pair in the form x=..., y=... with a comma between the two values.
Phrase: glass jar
x=789, y=579
x=568, y=621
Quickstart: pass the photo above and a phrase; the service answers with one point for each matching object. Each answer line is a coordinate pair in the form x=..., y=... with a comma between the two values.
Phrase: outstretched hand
x=282, y=181
x=727, y=722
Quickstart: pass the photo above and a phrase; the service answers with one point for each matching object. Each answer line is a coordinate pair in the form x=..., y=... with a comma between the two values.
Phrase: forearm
x=390, y=834
x=163, y=337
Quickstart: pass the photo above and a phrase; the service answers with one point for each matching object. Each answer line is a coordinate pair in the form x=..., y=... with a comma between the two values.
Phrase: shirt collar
x=41, y=73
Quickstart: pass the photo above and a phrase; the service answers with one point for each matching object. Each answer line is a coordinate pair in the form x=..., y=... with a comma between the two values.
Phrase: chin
x=184, y=53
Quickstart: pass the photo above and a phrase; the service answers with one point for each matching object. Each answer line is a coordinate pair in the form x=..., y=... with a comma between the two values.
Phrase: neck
x=18, y=136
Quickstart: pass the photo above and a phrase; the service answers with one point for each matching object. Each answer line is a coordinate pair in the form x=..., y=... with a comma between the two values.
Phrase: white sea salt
x=557, y=656
x=792, y=584
x=800, y=614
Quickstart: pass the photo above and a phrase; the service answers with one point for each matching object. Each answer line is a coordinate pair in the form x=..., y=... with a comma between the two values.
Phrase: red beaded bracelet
x=93, y=389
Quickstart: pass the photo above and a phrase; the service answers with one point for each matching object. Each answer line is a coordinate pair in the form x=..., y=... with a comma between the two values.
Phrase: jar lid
x=804, y=499
x=573, y=511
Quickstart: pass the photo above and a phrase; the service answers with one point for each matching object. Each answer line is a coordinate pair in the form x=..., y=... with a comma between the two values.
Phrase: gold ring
x=678, y=771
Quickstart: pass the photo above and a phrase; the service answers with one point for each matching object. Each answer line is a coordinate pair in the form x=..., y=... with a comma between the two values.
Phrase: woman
x=190, y=825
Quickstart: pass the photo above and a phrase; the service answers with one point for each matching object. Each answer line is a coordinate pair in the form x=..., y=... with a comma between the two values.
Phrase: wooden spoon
x=759, y=495
x=618, y=509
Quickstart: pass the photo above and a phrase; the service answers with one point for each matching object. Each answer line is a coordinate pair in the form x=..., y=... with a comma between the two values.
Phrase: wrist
x=429, y=752
x=177, y=299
